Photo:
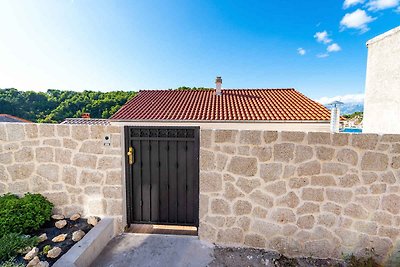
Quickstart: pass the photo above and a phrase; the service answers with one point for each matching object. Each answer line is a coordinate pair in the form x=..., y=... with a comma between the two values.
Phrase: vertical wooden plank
x=155, y=180
x=163, y=175
x=196, y=174
x=182, y=182
x=172, y=182
x=146, y=173
x=190, y=183
x=137, y=183
x=128, y=177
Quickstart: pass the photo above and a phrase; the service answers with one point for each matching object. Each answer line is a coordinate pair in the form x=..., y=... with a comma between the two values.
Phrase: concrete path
x=155, y=250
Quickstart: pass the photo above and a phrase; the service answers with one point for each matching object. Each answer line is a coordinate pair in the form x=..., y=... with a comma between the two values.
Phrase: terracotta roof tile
x=11, y=118
x=232, y=105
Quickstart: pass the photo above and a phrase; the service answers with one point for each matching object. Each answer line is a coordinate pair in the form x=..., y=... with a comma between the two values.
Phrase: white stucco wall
x=269, y=126
x=382, y=95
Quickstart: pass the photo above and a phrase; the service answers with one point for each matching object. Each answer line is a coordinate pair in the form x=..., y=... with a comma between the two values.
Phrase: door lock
x=130, y=155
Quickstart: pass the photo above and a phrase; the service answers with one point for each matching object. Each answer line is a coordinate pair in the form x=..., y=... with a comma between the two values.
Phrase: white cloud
x=349, y=3
x=357, y=20
x=334, y=48
x=301, y=51
x=323, y=37
x=376, y=5
x=324, y=55
x=350, y=98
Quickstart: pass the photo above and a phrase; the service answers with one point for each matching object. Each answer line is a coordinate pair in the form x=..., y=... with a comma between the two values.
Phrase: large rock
x=59, y=238
x=247, y=185
x=324, y=153
x=207, y=160
x=77, y=235
x=57, y=217
x=242, y=207
x=243, y=166
x=60, y=224
x=372, y=161
x=319, y=138
x=250, y=137
x=31, y=254
x=230, y=236
x=254, y=240
x=348, y=156
x=313, y=194
x=262, y=153
x=20, y=171
x=271, y=171
x=364, y=141
x=340, y=196
x=261, y=199
x=54, y=252
x=289, y=200
x=391, y=203
x=210, y=182
x=283, y=215
x=270, y=136
x=303, y=153
x=334, y=168
x=75, y=217
x=225, y=136
x=309, y=168
x=295, y=137
x=283, y=152
x=220, y=206
x=42, y=237
x=92, y=220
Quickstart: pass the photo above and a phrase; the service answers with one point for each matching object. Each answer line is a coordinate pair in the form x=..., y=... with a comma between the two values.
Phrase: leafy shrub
x=11, y=263
x=11, y=243
x=23, y=215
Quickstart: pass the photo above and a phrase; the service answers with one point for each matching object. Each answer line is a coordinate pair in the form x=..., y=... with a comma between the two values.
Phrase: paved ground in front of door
x=155, y=250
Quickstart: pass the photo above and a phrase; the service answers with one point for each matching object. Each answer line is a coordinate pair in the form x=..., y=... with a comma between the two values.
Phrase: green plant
x=11, y=263
x=46, y=249
x=11, y=243
x=23, y=215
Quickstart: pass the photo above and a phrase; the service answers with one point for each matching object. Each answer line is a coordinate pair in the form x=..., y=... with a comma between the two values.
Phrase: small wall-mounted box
x=107, y=140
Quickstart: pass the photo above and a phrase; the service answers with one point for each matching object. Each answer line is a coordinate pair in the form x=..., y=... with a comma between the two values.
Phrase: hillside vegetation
x=55, y=105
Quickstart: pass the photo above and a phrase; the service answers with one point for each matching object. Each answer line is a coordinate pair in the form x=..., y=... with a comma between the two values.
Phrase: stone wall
x=68, y=164
x=302, y=194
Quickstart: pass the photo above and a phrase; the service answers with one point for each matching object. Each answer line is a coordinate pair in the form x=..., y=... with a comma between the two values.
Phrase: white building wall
x=382, y=96
x=270, y=126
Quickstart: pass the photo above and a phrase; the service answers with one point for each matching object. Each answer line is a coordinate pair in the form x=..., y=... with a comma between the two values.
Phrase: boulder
x=58, y=217
x=75, y=217
x=31, y=254
x=77, y=235
x=61, y=224
x=54, y=252
x=42, y=237
x=92, y=220
x=59, y=238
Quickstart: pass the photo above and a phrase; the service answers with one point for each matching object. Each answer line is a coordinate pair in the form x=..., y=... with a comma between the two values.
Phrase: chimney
x=85, y=115
x=218, y=85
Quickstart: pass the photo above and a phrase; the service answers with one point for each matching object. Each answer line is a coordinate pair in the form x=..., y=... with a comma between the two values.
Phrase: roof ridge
x=212, y=89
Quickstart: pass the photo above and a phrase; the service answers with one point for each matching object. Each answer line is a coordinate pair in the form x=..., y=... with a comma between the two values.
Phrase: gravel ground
x=243, y=257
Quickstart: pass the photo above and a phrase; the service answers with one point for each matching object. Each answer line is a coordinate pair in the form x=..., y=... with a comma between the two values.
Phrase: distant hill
x=350, y=108
x=55, y=105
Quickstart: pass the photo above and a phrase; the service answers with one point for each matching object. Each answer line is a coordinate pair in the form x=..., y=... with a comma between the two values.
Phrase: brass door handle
x=130, y=155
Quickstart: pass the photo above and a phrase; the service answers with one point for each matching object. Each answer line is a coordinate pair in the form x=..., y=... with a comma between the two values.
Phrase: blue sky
x=133, y=45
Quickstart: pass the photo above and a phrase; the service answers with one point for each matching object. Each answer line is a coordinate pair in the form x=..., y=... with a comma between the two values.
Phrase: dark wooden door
x=162, y=175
